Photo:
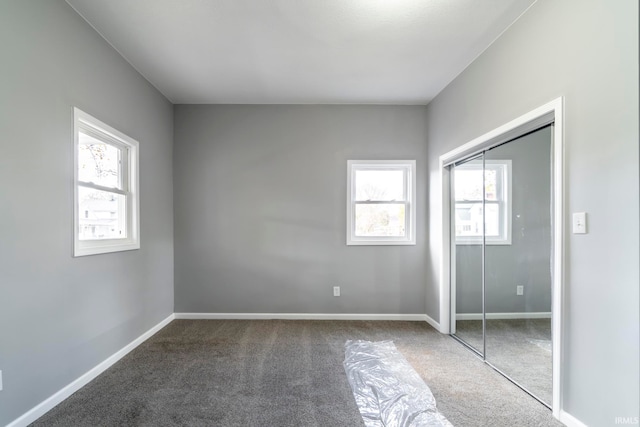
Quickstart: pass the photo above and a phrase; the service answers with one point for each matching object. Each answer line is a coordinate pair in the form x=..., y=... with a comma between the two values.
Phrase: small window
x=469, y=190
x=106, y=188
x=381, y=202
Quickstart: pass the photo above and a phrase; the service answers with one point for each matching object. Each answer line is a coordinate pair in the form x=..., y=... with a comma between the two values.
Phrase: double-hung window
x=381, y=202
x=472, y=184
x=106, y=188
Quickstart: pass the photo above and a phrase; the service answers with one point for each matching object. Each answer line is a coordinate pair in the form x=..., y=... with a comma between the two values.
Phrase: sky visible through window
x=380, y=185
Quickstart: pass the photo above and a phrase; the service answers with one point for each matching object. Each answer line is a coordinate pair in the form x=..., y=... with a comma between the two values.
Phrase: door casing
x=549, y=113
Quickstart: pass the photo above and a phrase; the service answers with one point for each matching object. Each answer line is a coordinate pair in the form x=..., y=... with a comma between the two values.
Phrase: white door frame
x=552, y=112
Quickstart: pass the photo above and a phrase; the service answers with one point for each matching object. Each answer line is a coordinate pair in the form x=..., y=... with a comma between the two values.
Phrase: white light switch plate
x=336, y=291
x=580, y=223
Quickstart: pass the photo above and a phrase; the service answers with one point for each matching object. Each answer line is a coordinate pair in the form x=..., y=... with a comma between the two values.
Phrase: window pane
x=101, y=214
x=380, y=220
x=492, y=220
x=98, y=162
x=490, y=185
x=380, y=185
x=469, y=219
x=468, y=184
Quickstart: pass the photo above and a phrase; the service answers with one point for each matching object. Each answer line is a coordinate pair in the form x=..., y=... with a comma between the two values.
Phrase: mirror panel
x=518, y=264
x=467, y=189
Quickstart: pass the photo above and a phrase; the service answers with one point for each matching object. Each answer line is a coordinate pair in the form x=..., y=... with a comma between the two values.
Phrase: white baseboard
x=432, y=322
x=569, y=420
x=495, y=316
x=302, y=316
x=48, y=404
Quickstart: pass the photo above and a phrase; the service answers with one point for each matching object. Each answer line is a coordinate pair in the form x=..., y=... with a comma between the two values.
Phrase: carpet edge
x=46, y=405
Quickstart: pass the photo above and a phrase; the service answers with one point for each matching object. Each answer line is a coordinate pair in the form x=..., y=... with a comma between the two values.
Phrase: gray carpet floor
x=283, y=373
x=521, y=348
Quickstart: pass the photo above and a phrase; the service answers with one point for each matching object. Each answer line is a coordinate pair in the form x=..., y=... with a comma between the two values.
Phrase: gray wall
x=260, y=209
x=60, y=316
x=586, y=51
x=527, y=261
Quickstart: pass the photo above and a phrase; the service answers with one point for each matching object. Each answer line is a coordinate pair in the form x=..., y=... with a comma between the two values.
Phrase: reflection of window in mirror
x=469, y=190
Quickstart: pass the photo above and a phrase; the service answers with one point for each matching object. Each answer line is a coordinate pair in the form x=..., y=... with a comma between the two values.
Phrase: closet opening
x=502, y=247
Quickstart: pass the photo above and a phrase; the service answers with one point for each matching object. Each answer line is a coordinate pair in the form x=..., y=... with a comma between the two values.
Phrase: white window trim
x=406, y=165
x=505, y=205
x=130, y=186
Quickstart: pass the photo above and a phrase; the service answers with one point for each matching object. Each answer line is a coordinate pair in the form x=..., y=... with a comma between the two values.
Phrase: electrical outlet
x=519, y=290
x=336, y=291
x=0, y=380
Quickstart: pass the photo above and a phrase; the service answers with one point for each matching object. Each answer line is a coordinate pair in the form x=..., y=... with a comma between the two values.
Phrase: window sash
x=406, y=218
x=123, y=165
x=376, y=167
x=122, y=214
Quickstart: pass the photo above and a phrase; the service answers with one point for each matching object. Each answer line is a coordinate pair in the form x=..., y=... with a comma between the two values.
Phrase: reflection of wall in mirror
x=527, y=261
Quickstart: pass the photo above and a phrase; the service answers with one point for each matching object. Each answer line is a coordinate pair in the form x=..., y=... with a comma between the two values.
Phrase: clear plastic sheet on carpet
x=388, y=391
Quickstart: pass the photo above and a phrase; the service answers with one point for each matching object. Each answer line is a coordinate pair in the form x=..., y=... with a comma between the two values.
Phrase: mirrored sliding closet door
x=501, y=260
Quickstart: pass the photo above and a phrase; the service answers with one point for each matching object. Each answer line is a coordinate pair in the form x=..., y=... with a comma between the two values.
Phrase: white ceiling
x=300, y=51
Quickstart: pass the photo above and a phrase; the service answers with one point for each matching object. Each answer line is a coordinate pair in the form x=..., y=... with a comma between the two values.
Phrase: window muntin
x=470, y=183
x=381, y=203
x=106, y=189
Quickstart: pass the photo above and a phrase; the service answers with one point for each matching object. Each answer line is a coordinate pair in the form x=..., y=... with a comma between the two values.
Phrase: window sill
x=96, y=247
x=479, y=242
x=380, y=242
